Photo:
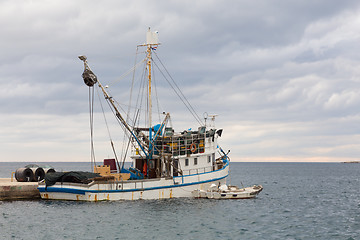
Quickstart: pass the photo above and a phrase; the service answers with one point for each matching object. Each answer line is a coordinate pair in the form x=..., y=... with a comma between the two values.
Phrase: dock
x=10, y=189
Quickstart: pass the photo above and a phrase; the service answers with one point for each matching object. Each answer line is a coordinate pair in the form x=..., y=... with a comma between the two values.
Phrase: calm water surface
x=299, y=201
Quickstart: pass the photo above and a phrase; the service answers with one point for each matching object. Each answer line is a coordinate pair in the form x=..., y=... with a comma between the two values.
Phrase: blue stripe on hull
x=82, y=192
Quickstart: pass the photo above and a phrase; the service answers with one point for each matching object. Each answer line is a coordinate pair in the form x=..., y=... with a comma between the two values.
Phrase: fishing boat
x=164, y=163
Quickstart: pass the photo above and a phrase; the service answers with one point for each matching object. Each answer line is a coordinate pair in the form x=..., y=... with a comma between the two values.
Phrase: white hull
x=232, y=192
x=160, y=188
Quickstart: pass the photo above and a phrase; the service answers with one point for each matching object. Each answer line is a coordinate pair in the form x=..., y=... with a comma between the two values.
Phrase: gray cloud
x=283, y=76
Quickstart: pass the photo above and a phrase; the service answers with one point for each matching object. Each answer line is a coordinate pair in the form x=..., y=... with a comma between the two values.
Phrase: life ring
x=192, y=147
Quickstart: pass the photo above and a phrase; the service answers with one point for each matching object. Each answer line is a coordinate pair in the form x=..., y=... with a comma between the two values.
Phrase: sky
x=282, y=76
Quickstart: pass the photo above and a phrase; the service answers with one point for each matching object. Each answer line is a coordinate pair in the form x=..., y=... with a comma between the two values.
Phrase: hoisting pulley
x=89, y=77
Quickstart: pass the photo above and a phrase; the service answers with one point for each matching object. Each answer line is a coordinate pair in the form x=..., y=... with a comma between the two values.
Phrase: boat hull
x=232, y=193
x=161, y=188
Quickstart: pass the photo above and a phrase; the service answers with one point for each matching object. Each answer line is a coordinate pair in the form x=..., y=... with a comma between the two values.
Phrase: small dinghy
x=228, y=192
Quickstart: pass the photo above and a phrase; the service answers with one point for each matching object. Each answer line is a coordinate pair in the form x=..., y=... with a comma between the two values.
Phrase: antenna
x=205, y=115
x=212, y=117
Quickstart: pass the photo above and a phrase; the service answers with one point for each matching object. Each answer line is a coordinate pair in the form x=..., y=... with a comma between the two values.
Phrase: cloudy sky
x=283, y=76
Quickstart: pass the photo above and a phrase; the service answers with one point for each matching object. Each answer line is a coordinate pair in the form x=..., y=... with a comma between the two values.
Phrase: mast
x=152, y=41
x=149, y=82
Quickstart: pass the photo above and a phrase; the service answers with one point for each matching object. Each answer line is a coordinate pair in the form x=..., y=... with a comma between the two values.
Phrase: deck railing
x=139, y=184
x=197, y=170
x=184, y=144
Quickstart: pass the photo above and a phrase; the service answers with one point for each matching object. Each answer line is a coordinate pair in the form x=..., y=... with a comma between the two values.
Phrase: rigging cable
x=156, y=96
x=141, y=94
x=91, y=112
x=128, y=72
x=182, y=97
x=138, y=104
x=127, y=147
x=107, y=127
x=124, y=152
x=198, y=118
x=118, y=120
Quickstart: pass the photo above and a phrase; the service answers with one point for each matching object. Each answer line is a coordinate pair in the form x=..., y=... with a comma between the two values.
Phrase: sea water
x=299, y=201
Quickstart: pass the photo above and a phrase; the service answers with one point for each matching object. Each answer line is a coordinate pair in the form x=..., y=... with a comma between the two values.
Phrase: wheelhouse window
x=209, y=159
x=195, y=161
x=186, y=162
